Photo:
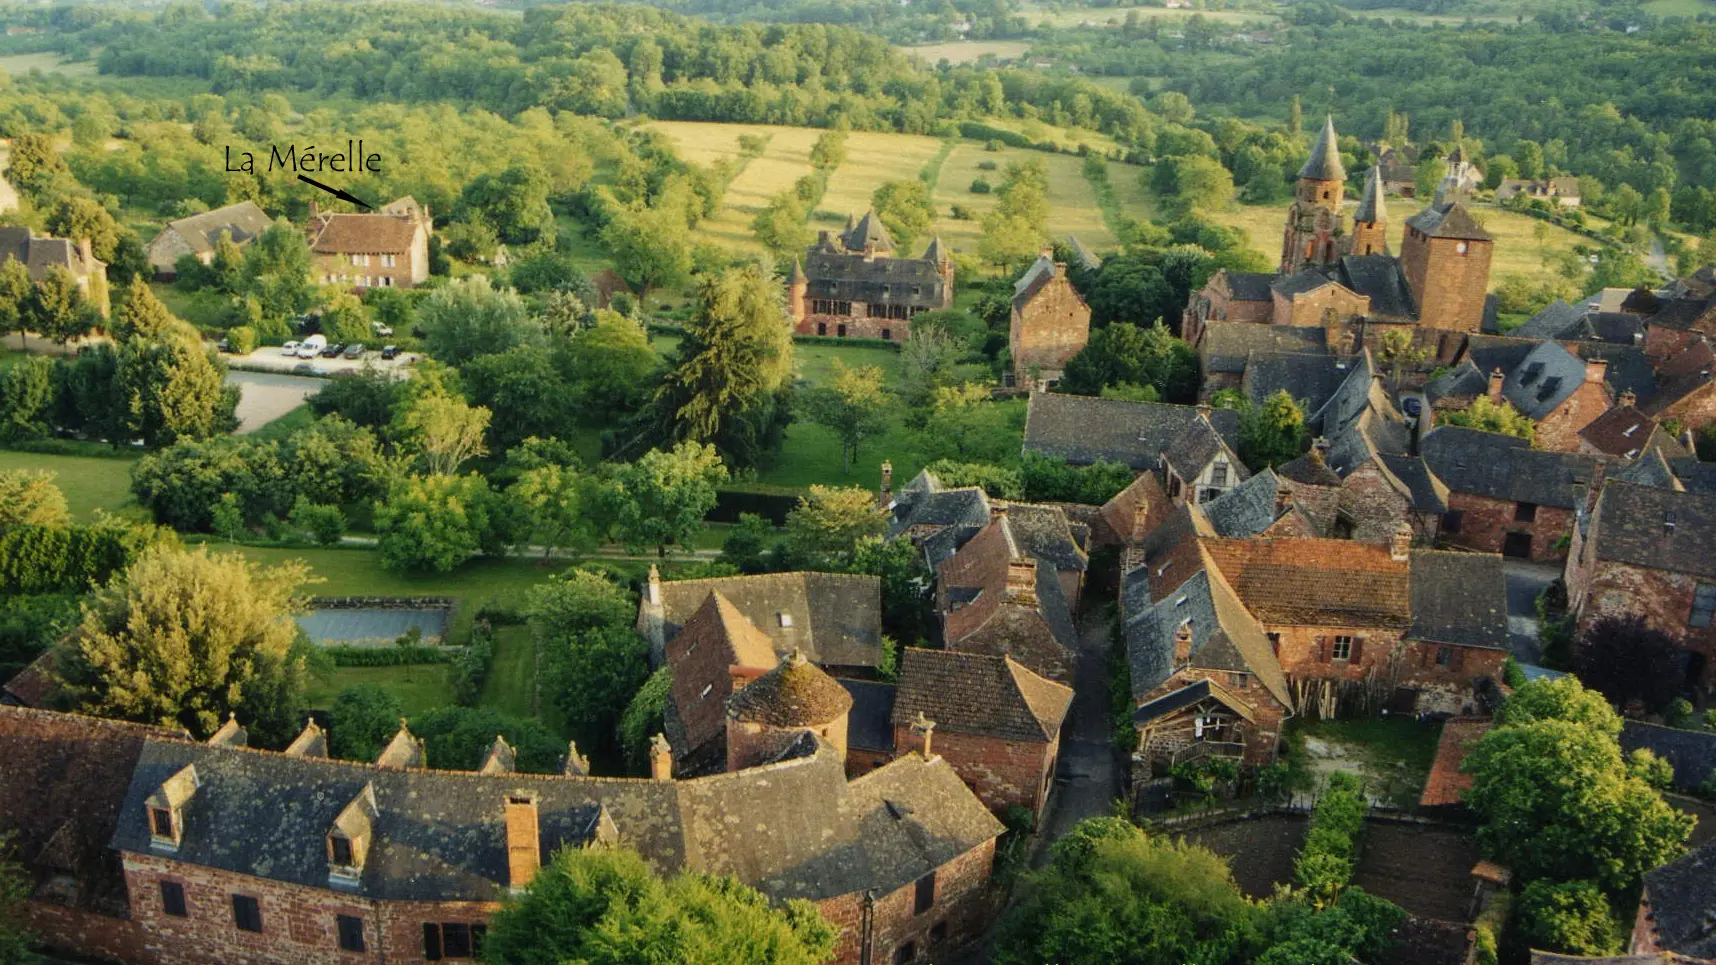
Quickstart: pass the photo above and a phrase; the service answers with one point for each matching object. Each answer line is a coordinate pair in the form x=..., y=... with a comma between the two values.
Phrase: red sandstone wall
x=829, y=325
x=88, y=934
x=1558, y=430
x=1662, y=598
x=1001, y=773
x=1053, y=327
x=1485, y=523
x=962, y=904
x=1449, y=287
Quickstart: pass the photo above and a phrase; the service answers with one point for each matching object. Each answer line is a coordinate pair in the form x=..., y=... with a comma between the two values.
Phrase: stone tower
x=1370, y=221
x=1314, y=222
x=797, y=286
x=1445, y=257
x=769, y=714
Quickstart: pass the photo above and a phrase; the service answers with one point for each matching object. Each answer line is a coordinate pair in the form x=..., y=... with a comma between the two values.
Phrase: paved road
x=1087, y=779
x=1524, y=582
x=266, y=396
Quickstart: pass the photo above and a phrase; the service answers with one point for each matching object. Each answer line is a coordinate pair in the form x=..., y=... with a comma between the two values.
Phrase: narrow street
x=1087, y=779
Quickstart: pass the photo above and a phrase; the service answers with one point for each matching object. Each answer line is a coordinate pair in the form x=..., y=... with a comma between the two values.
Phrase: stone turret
x=797, y=287
x=777, y=708
x=1314, y=222
x=1370, y=221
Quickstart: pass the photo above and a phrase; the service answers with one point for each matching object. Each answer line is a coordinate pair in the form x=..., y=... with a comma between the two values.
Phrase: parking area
x=271, y=358
x=266, y=396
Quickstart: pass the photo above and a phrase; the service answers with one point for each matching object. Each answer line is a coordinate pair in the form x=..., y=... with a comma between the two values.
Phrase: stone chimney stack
x=653, y=594
x=1596, y=370
x=1496, y=379
x=923, y=729
x=660, y=758
x=315, y=210
x=577, y=765
x=1022, y=580
x=1400, y=544
x=1627, y=399
x=523, y=842
x=1140, y=518
x=1183, y=644
x=86, y=252
x=887, y=478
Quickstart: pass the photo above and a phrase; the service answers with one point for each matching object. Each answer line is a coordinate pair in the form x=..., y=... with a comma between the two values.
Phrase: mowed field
x=873, y=159
x=1516, y=250
x=966, y=51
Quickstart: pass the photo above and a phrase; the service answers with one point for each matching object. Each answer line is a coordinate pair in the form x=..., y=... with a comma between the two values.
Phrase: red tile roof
x=362, y=234
x=980, y=566
x=1316, y=582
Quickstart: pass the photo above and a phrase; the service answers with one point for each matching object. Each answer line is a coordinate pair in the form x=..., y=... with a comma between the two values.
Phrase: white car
x=290, y=348
x=312, y=347
x=380, y=329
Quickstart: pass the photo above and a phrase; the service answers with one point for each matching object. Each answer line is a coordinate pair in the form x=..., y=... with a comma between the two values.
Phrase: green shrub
x=981, y=186
x=471, y=665
x=1325, y=863
x=324, y=524
x=241, y=340
x=394, y=656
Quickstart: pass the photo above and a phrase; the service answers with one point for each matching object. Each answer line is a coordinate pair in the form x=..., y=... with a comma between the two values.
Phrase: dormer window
x=785, y=618
x=162, y=825
x=340, y=850
x=349, y=839
x=166, y=809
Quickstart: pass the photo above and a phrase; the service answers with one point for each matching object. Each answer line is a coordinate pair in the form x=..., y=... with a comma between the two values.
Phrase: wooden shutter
x=1323, y=654
x=432, y=941
x=1458, y=659
x=1358, y=650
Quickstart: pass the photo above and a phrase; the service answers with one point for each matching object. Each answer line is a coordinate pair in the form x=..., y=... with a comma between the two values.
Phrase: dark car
x=389, y=351
x=354, y=350
x=333, y=350
x=1412, y=406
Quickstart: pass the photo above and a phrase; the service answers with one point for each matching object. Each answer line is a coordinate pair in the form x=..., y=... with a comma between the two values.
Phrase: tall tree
x=361, y=722
x=27, y=399
x=84, y=219
x=186, y=637
x=551, y=499
x=905, y=207
x=611, y=367
x=664, y=494
x=829, y=521
x=651, y=247
x=1272, y=433
x=593, y=658
x=433, y=523
x=442, y=429
x=141, y=315
x=15, y=294
x=28, y=497
x=605, y=907
x=1627, y=659
x=1490, y=416
x=58, y=309
x=34, y=164
x=173, y=389
x=469, y=317
x=854, y=407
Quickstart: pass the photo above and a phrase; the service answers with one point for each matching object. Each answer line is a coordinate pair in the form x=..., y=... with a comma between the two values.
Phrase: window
x=1703, y=605
x=938, y=933
x=340, y=850
x=822, y=328
x=1525, y=512
x=907, y=953
x=1274, y=642
x=785, y=618
x=452, y=939
x=161, y=822
x=173, y=899
x=1444, y=656
x=924, y=899
x=351, y=933
x=1343, y=648
x=1451, y=521
x=887, y=333
x=360, y=261
x=387, y=281
x=387, y=261
x=840, y=331
x=1218, y=475
x=246, y=913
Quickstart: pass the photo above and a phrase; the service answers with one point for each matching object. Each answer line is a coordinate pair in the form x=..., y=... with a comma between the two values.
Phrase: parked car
x=290, y=348
x=354, y=351
x=333, y=351
x=389, y=351
x=312, y=346
x=380, y=329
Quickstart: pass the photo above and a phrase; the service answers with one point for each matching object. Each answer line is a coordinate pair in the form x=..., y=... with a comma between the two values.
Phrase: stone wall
x=1695, y=410
x=1019, y=631
x=1002, y=773
x=962, y=908
x=851, y=326
x=89, y=935
x=1307, y=652
x=1331, y=303
x=1448, y=285
x=1485, y=524
x=1662, y=598
x=1558, y=430
x=1048, y=330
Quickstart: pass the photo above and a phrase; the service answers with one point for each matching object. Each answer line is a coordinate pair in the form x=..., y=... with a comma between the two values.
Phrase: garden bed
x=1260, y=850
x=1425, y=870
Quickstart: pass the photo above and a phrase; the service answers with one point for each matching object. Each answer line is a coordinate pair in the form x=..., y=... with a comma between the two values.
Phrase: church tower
x=1370, y=221
x=1313, y=231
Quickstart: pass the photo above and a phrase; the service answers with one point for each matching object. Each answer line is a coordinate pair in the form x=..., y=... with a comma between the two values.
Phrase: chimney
x=1688, y=440
x=1183, y=643
x=887, y=476
x=1400, y=544
x=923, y=729
x=86, y=252
x=1283, y=499
x=1496, y=379
x=1140, y=518
x=315, y=210
x=1596, y=370
x=1022, y=580
x=523, y=842
x=1628, y=399
x=660, y=758
x=1204, y=410
x=577, y=765
x=654, y=591
x=500, y=759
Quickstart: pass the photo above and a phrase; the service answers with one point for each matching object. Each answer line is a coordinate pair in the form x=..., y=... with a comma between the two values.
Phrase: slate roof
x=1692, y=753
x=1621, y=431
x=1459, y=598
x=856, y=277
x=985, y=696
x=1445, y=784
x=1087, y=259
x=869, y=231
x=1245, y=510
x=41, y=253
x=869, y=725
x=1316, y=582
x=1449, y=220
x=1550, y=321
x=362, y=233
x=1629, y=369
x=1324, y=164
x=1225, y=636
x=1547, y=377
x=1417, y=483
x=440, y=835
x=1309, y=470
x=1654, y=528
x=1043, y=533
x=1082, y=430
x=1649, y=469
x=63, y=778
x=1505, y=468
x=971, y=586
x=1227, y=345
x=1379, y=278
x=1683, y=374
x=199, y=233
x=936, y=506
x=1249, y=286
x=796, y=693
x=1682, y=897
x=1300, y=282
x=1372, y=208
x=836, y=617
x=1034, y=277
x=1168, y=703
x=1491, y=352
x=1697, y=476
x=1309, y=379
x=1549, y=958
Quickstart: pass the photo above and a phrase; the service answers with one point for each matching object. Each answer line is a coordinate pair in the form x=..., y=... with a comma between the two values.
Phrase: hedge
x=1325, y=863
x=66, y=559
x=389, y=656
x=472, y=665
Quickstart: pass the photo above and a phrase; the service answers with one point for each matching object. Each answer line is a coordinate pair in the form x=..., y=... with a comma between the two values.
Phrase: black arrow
x=336, y=192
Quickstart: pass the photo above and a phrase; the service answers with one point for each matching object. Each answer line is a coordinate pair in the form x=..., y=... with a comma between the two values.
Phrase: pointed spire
x=936, y=252
x=868, y=235
x=798, y=277
x=1324, y=164
x=1371, y=209
x=851, y=221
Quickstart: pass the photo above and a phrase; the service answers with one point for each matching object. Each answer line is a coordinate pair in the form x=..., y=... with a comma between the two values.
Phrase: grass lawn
x=966, y=51
x=1072, y=203
x=292, y=421
x=1516, y=250
x=203, y=307
x=511, y=687
x=1395, y=751
x=89, y=482
x=420, y=688
x=47, y=63
x=1076, y=15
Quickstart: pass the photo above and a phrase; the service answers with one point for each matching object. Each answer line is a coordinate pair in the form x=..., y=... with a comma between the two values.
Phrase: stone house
x=373, y=863
x=1692, y=753
x=773, y=716
x=198, y=234
x=1226, y=350
x=834, y=619
x=1676, y=908
x=1242, y=297
x=384, y=249
x=1559, y=391
x=40, y=253
x=1672, y=324
x=1649, y=551
x=851, y=284
x=1563, y=191
x=994, y=599
x=1049, y=323
x=714, y=655
x=1192, y=449
x=1686, y=392
x=1504, y=496
x=995, y=722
